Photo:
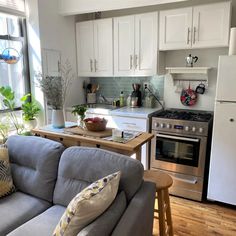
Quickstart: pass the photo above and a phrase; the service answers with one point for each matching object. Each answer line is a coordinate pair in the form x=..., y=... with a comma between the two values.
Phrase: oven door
x=182, y=154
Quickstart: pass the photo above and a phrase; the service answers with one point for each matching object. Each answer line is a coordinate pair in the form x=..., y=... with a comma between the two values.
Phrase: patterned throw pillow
x=88, y=205
x=6, y=182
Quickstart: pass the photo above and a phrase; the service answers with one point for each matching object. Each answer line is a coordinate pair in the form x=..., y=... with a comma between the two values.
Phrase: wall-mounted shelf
x=189, y=73
x=188, y=70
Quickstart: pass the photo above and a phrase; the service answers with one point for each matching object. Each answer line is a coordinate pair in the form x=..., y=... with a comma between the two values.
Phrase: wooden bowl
x=96, y=127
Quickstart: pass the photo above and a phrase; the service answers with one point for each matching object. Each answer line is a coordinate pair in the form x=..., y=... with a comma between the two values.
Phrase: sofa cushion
x=42, y=225
x=81, y=166
x=34, y=164
x=6, y=182
x=18, y=208
x=88, y=205
x=105, y=223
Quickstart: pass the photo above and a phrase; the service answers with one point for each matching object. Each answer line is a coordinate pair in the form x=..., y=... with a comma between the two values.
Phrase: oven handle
x=177, y=138
x=194, y=181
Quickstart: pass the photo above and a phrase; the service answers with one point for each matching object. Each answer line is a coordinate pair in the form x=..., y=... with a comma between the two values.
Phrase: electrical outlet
x=146, y=85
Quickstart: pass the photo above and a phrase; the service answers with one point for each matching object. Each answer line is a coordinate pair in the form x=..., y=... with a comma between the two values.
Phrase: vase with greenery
x=8, y=99
x=55, y=89
x=30, y=111
x=79, y=110
x=4, y=130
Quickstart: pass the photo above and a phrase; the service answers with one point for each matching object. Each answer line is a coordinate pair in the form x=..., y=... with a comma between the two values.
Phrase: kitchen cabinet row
x=131, y=45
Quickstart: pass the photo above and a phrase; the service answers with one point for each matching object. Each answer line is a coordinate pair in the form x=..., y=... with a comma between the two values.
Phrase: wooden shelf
x=188, y=70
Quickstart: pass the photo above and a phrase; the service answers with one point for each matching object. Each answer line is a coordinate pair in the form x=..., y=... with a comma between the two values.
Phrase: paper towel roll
x=232, y=42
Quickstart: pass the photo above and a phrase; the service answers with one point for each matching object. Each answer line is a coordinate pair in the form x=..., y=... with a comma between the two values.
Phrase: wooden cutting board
x=85, y=132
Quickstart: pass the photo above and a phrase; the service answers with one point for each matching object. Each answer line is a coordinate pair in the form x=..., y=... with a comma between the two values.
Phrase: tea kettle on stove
x=190, y=60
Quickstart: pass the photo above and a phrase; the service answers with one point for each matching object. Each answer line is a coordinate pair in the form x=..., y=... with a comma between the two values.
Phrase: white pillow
x=88, y=205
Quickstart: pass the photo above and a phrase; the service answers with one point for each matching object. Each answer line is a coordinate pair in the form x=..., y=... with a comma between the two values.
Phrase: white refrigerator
x=222, y=173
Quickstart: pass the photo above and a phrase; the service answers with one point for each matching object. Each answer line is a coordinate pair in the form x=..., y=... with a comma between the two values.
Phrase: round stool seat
x=162, y=180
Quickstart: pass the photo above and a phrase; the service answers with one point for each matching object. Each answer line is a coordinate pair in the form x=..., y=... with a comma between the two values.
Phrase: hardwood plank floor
x=192, y=218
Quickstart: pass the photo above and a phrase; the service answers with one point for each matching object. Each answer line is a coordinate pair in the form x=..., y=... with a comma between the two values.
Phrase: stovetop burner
x=186, y=115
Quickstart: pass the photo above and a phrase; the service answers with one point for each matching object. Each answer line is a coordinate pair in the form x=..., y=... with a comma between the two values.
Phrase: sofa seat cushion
x=42, y=225
x=18, y=208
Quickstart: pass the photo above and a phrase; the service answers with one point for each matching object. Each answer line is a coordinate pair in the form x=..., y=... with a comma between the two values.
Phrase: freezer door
x=226, y=79
x=222, y=175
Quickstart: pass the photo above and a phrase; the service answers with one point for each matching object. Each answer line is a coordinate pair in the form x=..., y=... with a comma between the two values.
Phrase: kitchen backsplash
x=111, y=87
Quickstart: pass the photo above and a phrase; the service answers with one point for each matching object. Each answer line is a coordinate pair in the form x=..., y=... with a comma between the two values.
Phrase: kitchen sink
x=101, y=106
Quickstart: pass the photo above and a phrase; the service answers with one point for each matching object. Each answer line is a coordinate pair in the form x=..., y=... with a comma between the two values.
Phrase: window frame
x=26, y=69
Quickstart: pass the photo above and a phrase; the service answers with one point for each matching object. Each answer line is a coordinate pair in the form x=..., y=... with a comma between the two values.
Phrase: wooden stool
x=163, y=181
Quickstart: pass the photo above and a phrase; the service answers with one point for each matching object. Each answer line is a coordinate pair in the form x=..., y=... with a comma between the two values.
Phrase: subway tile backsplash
x=111, y=87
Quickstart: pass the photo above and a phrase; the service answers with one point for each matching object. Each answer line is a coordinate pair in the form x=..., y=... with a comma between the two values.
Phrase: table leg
x=138, y=154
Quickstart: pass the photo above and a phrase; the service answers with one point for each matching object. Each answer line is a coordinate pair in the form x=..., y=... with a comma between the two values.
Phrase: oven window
x=177, y=151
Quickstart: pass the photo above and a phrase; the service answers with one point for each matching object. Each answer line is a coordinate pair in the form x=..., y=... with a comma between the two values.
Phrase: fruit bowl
x=95, y=124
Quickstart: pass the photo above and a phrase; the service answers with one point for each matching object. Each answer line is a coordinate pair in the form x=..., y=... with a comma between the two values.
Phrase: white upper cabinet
x=135, y=45
x=175, y=29
x=202, y=26
x=124, y=46
x=85, y=49
x=95, y=48
x=145, y=58
x=211, y=24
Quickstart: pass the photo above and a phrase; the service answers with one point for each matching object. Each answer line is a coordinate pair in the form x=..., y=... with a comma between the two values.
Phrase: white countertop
x=140, y=112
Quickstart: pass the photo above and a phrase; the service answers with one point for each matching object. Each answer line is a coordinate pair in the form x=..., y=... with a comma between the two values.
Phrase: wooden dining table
x=129, y=148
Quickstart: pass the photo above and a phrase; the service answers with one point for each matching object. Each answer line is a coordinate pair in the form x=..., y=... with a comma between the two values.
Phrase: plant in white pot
x=30, y=111
x=55, y=89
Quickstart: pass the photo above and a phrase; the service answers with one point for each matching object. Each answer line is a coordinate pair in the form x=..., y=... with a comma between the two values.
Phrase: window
x=13, y=40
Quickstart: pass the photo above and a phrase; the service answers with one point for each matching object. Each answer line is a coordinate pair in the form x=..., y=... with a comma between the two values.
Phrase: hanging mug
x=200, y=88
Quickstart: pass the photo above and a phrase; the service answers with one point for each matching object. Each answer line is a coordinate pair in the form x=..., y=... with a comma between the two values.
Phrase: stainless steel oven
x=180, y=149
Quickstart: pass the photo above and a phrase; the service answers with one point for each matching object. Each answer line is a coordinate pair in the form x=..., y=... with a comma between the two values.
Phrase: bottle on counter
x=128, y=101
x=122, y=99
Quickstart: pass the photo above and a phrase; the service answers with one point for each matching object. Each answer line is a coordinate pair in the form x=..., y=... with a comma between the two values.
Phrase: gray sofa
x=47, y=177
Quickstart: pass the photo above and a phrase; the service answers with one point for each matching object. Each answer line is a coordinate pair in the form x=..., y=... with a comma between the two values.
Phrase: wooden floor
x=192, y=218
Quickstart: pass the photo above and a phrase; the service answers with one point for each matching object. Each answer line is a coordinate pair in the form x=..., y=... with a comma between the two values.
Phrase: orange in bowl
x=95, y=124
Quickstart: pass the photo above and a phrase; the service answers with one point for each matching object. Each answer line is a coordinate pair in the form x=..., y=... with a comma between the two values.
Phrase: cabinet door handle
x=131, y=62
x=91, y=65
x=95, y=64
x=188, y=34
x=136, y=61
x=194, y=34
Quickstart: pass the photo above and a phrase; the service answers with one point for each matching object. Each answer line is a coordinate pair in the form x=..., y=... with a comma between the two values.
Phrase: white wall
x=58, y=33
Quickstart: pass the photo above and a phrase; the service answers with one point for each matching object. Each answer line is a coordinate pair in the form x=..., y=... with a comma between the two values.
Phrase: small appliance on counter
x=136, y=96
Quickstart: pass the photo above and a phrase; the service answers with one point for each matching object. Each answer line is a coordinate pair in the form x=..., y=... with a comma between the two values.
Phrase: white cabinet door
x=103, y=47
x=85, y=48
x=145, y=58
x=222, y=175
x=175, y=29
x=124, y=46
x=211, y=24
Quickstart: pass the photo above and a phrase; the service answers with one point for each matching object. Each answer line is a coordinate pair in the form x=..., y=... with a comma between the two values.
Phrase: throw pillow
x=88, y=205
x=6, y=182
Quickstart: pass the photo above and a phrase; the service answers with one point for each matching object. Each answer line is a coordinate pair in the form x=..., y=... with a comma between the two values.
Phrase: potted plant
x=55, y=89
x=8, y=96
x=79, y=110
x=30, y=110
x=4, y=130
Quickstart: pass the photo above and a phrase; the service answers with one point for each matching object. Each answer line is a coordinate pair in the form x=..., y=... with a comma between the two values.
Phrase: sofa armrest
x=138, y=218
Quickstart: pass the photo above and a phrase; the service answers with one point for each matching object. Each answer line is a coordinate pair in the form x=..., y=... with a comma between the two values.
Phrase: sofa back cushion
x=34, y=164
x=81, y=166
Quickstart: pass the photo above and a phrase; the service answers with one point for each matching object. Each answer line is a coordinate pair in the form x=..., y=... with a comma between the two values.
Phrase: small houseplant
x=55, y=89
x=30, y=110
x=8, y=98
x=80, y=110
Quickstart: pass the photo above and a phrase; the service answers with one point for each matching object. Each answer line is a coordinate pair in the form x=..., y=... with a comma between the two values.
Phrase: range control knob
x=201, y=130
x=162, y=125
x=168, y=126
x=193, y=129
x=186, y=128
x=156, y=124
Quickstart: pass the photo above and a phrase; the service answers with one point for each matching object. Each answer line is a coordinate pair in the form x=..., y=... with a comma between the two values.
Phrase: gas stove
x=183, y=121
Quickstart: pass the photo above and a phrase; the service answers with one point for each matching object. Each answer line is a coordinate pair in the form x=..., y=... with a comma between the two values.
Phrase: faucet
x=104, y=99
